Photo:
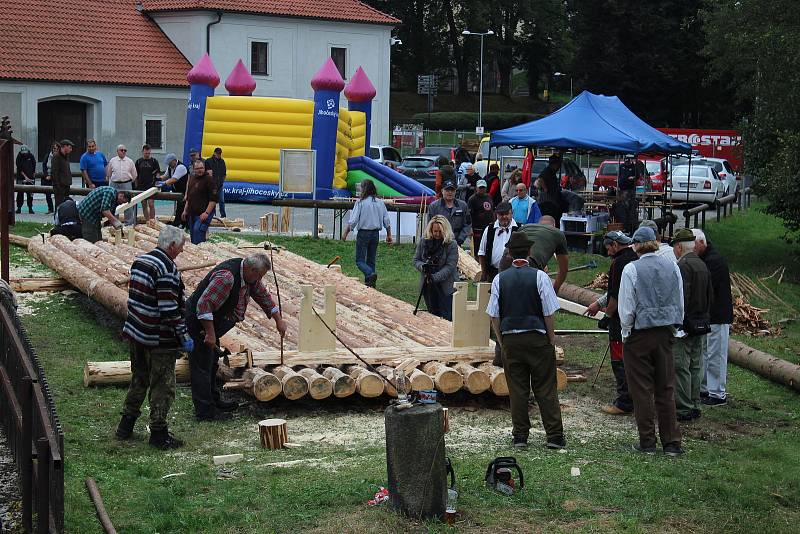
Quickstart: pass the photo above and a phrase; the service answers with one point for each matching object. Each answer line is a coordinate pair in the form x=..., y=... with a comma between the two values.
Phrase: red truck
x=725, y=144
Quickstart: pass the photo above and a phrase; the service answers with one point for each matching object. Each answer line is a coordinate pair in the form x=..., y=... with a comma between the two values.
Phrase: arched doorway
x=62, y=119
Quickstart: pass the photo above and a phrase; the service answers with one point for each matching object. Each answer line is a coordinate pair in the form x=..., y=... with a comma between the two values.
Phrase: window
x=339, y=57
x=155, y=129
x=259, y=58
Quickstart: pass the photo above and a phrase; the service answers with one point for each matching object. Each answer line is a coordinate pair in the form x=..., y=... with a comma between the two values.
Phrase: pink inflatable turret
x=240, y=82
x=359, y=93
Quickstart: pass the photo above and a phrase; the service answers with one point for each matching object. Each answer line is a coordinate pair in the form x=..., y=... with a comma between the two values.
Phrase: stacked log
x=343, y=384
x=319, y=387
x=368, y=384
x=476, y=381
x=446, y=379
x=468, y=266
x=294, y=385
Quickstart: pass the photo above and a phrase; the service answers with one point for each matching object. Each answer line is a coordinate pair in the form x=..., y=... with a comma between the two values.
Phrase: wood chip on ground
x=600, y=282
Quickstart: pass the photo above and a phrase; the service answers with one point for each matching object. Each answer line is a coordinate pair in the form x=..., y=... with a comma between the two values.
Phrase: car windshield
x=538, y=167
x=374, y=152
x=697, y=171
x=609, y=169
x=417, y=163
x=436, y=151
x=653, y=167
x=500, y=151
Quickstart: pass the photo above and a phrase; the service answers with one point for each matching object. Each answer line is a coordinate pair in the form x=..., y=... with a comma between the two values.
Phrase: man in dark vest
x=217, y=304
x=522, y=307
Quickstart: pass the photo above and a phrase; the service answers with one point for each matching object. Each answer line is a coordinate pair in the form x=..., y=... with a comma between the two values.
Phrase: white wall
x=298, y=48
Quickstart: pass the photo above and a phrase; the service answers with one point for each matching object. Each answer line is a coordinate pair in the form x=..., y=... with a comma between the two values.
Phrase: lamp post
x=480, y=98
x=570, y=81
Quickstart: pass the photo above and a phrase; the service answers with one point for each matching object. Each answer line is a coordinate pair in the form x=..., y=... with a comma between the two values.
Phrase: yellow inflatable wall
x=358, y=132
x=344, y=143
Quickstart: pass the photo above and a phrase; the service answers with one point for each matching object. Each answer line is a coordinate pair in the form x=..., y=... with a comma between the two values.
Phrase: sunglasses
x=122, y=150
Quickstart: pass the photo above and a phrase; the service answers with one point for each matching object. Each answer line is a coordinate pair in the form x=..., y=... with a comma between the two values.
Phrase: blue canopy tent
x=591, y=122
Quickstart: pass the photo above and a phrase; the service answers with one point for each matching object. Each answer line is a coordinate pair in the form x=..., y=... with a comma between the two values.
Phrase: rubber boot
x=162, y=439
x=125, y=428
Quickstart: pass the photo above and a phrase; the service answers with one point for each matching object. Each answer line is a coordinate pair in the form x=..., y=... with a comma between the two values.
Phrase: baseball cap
x=647, y=223
x=618, y=237
x=644, y=234
x=24, y=149
x=480, y=183
x=683, y=235
x=449, y=184
x=519, y=241
x=170, y=157
x=503, y=207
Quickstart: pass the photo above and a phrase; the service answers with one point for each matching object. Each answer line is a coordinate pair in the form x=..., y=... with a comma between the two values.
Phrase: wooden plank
x=144, y=195
x=29, y=285
x=578, y=309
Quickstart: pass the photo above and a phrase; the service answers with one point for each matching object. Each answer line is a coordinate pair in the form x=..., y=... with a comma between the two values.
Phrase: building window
x=259, y=58
x=339, y=57
x=155, y=132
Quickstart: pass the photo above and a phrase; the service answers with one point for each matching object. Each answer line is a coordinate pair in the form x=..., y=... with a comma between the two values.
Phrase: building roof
x=90, y=41
x=343, y=10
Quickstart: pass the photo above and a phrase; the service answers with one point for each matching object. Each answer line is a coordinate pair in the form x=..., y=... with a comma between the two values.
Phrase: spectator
x=26, y=171
x=436, y=257
x=493, y=184
x=715, y=362
x=650, y=305
x=493, y=242
x=67, y=220
x=481, y=212
x=522, y=305
x=47, y=178
x=99, y=203
x=147, y=171
x=367, y=218
x=176, y=178
x=509, y=188
x=200, y=202
x=523, y=207
x=664, y=249
x=93, y=166
x=462, y=155
x=688, y=349
x=454, y=210
x=217, y=304
x=155, y=329
x=60, y=171
x=549, y=186
x=216, y=165
x=626, y=209
x=548, y=240
x=121, y=172
x=441, y=163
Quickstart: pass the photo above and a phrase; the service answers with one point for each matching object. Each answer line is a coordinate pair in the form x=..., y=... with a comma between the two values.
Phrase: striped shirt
x=369, y=214
x=99, y=199
x=155, y=302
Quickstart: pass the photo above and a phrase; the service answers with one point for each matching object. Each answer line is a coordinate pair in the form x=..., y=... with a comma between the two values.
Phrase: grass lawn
x=741, y=471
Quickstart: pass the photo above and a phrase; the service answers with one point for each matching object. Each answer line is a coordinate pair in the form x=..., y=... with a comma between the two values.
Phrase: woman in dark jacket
x=436, y=259
x=26, y=169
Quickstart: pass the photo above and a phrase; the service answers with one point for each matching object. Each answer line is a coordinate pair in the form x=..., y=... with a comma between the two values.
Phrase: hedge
x=465, y=120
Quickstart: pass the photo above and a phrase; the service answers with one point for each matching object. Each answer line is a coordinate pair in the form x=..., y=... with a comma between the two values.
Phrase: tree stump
x=272, y=433
x=415, y=460
x=343, y=385
x=294, y=385
x=476, y=381
x=447, y=380
x=319, y=387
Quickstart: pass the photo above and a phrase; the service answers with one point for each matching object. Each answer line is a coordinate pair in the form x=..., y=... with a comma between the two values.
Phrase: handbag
x=697, y=325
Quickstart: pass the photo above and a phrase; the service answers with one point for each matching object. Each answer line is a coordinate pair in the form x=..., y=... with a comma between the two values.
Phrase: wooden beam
x=30, y=285
x=577, y=309
x=375, y=355
x=144, y=195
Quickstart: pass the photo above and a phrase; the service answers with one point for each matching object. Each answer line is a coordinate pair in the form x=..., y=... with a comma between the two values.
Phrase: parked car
x=420, y=168
x=572, y=176
x=385, y=155
x=725, y=171
x=447, y=151
x=482, y=161
x=657, y=170
x=608, y=174
x=703, y=185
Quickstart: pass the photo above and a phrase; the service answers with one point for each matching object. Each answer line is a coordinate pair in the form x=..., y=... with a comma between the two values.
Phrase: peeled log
x=574, y=293
x=319, y=387
x=476, y=381
x=262, y=385
x=294, y=385
x=119, y=373
x=420, y=381
x=388, y=373
x=468, y=266
x=343, y=385
x=765, y=364
x=368, y=384
x=497, y=377
x=447, y=380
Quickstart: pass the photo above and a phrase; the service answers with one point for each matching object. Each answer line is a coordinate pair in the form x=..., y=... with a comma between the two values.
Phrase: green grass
x=741, y=471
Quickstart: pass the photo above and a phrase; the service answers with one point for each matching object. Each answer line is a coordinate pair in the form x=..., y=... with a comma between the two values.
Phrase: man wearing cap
x=60, y=171
x=550, y=189
x=522, y=305
x=650, y=306
x=176, y=177
x=121, y=172
x=99, y=203
x=548, y=241
x=524, y=209
x=481, y=211
x=619, y=250
x=219, y=171
x=454, y=210
x=688, y=349
x=493, y=242
x=93, y=165
x=664, y=249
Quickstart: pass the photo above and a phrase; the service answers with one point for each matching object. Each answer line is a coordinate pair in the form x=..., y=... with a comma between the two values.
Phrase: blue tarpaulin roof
x=592, y=122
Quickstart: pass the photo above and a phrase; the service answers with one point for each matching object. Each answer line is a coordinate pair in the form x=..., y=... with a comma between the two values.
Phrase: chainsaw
x=500, y=475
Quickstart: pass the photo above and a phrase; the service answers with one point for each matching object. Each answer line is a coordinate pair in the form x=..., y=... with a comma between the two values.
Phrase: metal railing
x=29, y=418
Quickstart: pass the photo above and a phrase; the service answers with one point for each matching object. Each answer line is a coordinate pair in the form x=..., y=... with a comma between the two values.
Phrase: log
x=319, y=387
x=19, y=240
x=99, y=506
x=468, y=266
x=388, y=373
x=294, y=386
x=368, y=384
x=272, y=433
x=577, y=294
x=446, y=379
x=119, y=373
x=31, y=285
x=419, y=380
x=343, y=385
x=476, y=381
x=262, y=385
x=764, y=364
x=497, y=378
x=561, y=379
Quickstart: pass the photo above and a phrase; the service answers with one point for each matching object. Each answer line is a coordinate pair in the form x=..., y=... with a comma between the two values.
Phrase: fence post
x=703, y=226
x=43, y=485
x=718, y=206
x=26, y=454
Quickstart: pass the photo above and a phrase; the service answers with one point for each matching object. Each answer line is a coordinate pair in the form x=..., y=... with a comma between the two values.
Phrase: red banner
x=725, y=144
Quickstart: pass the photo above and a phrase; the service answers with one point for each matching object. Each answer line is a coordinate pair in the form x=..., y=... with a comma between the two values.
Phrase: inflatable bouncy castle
x=252, y=131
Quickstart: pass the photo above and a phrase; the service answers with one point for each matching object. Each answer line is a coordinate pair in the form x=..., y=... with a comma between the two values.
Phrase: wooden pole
x=272, y=433
x=765, y=364
x=99, y=506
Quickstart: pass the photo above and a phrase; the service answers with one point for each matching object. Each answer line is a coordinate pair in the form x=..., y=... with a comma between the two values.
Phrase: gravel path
x=10, y=504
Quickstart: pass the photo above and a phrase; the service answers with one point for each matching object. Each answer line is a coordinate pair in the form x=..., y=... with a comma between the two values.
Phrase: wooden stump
x=262, y=385
x=419, y=380
x=561, y=379
x=447, y=380
x=272, y=433
x=476, y=381
x=497, y=378
x=294, y=386
x=343, y=385
x=368, y=384
x=319, y=387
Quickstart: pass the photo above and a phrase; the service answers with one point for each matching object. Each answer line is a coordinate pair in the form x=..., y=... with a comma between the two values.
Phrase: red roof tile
x=93, y=41
x=344, y=10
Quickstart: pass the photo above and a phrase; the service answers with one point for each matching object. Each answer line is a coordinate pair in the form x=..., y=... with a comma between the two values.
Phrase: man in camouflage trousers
x=156, y=330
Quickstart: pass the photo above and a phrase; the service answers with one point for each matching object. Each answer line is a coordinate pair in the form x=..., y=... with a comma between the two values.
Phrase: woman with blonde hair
x=509, y=189
x=436, y=259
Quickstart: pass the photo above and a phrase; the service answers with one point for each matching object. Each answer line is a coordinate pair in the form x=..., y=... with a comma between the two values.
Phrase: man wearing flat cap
x=493, y=241
x=60, y=171
x=522, y=307
x=650, y=307
x=688, y=349
x=454, y=210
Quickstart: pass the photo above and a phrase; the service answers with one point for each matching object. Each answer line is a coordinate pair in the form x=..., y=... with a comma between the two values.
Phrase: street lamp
x=570, y=82
x=480, y=98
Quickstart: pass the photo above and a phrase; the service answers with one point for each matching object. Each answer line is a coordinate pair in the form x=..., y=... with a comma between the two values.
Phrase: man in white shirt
x=120, y=173
x=664, y=249
x=493, y=241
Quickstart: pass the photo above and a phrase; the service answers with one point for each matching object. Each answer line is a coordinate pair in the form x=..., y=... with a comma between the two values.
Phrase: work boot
x=162, y=439
x=125, y=428
x=226, y=406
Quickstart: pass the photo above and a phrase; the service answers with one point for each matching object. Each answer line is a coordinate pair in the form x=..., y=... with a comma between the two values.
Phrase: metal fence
x=29, y=418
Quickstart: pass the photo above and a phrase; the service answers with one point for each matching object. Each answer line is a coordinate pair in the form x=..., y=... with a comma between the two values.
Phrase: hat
x=170, y=157
x=480, y=183
x=193, y=151
x=644, y=234
x=683, y=235
x=519, y=241
x=649, y=224
x=24, y=149
x=449, y=184
x=66, y=142
x=618, y=237
x=218, y=150
x=503, y=207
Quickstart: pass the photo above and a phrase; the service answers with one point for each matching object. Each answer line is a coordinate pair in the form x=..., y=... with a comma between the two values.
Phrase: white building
x=115, y=70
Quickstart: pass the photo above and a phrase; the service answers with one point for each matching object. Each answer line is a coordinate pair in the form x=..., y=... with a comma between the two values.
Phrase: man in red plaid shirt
x=219, y=302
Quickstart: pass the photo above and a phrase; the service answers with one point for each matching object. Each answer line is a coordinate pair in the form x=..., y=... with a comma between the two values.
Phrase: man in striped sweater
x=156, y=331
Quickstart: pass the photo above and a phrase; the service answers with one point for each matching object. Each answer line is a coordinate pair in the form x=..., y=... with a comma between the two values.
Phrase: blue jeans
x=198, y=229
x=366, y=249
x=221, y=199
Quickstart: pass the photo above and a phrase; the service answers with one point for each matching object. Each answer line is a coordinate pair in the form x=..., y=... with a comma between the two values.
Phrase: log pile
x=747, y=319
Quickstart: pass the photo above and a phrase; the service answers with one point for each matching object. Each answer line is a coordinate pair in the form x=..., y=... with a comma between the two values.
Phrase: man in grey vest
x=522, y=307
x=650, y=306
